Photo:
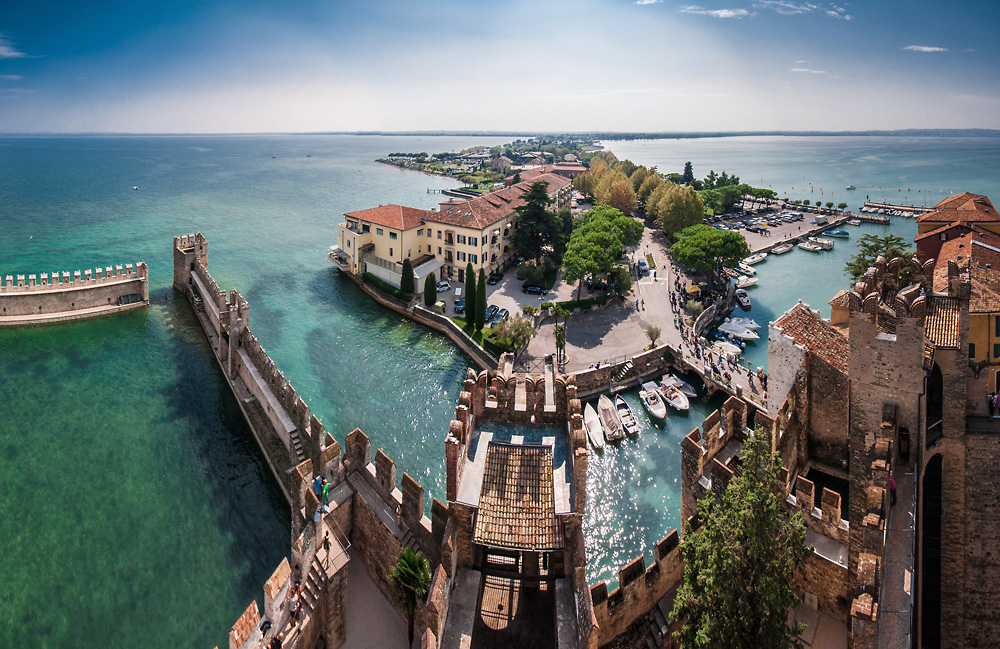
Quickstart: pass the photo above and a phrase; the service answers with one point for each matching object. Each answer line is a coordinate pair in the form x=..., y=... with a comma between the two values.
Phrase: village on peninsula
x=568, y=276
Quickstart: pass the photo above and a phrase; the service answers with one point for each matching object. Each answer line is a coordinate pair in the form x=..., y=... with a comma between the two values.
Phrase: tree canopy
x=704, y=248
x=410, y=579
x=870, y=246
x=430, y=290
x=739, y=582
x=597, y=242
x=406, y=279
x=537, y=228
x=675, y=207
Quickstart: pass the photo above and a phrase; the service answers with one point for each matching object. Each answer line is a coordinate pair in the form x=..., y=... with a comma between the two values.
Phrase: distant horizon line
x=594, y=134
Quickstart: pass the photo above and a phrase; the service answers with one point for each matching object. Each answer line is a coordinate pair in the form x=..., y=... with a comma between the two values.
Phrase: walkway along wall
x=73, y=295
x=367, y=513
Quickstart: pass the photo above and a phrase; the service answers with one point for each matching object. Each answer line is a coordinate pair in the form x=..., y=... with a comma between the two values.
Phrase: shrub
x=694, y=306
x=430, y=290
x=406, y=280
x=385, y=287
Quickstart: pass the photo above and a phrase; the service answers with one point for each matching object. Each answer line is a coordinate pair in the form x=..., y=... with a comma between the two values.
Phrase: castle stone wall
x=25, y=299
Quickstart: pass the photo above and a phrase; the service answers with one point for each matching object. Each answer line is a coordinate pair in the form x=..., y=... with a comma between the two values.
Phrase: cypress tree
x=470, y=293
x=406, y=281
x=430, y=290
x=481, y=301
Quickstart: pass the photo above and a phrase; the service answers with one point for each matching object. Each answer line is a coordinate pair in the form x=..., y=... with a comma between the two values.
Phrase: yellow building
x=443, y=240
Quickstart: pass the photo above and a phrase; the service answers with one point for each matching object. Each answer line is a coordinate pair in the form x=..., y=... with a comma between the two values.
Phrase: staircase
x=622, y=370
x=659, y=626
x=297, y=446
x=312, y=589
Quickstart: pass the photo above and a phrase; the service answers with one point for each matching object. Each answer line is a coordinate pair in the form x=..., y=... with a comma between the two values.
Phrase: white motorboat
x=782, y=249
x=609, y=419
x=810, y=246
x=755, y=258
x=651, y=401
x=853, y=221
x=592, y=423
x=677, y=399
x=720, y=347
x=741, y=332
x=748, y=323
x=625, y=416
x=742, y=299
x=669, y=380
x=749, y=271
x=824, y=244
x=746, y=282
x=839, y=234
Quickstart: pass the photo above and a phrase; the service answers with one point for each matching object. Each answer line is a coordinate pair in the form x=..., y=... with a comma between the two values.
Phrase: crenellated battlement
x=71, y=280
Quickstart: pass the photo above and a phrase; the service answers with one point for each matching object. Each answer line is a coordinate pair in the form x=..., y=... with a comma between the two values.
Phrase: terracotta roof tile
x=965, y=207
x=517, y=503
x=805, y=327
x=482, y=212
x=841, y=299
x=985, y=296
x=973, y=249
x=941, y=323
x=398, y=217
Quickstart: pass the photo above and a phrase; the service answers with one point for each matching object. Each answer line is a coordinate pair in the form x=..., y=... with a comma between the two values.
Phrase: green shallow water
x=135, y=506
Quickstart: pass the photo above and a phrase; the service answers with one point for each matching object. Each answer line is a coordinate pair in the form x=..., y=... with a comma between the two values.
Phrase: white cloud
x=925, y=48
x=10, y=77
x=648, y=2
x=714, y=13
x=809, y=70
x=790, y=8
x=8, y=51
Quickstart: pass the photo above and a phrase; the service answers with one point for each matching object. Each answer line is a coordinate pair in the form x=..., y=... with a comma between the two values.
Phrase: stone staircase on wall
x=659, y=626
x=622, y=371
x=297, y=446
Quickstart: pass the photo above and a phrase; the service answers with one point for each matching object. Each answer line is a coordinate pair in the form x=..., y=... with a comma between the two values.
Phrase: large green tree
x=410, y=579
x=406, y=280
x=597, y=243
x=481, y=301
x=677, y=208
x=739, y=567
x=688, y=176
x=533, y=222
x=470, y=291
x=870, y=246
x=705, y=249
x=514, y=332
x=430, y=290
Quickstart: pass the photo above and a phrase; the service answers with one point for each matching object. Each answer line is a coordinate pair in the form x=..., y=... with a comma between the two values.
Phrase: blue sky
x=267, y=66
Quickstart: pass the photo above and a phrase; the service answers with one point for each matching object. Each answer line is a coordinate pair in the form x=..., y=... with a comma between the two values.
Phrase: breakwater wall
x=367, y=512
x=72, y=295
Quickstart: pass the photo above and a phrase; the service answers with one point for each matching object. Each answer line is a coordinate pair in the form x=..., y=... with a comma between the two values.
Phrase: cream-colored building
x=443, y=240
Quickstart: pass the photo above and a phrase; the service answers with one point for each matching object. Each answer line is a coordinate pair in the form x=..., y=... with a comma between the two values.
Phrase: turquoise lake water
x=135, y=506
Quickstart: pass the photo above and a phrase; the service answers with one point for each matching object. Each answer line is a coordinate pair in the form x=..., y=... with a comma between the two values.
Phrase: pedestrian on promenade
x=277, y=641
x=892, y=488
x=296, y=575
x=318, y=486
x=991, y=401
x=326, y=492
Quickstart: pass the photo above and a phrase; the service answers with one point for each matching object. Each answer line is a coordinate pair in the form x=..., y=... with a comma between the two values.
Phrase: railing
x=934, y=433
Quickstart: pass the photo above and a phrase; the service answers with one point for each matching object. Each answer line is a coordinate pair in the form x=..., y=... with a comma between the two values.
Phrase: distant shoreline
x=596, y=135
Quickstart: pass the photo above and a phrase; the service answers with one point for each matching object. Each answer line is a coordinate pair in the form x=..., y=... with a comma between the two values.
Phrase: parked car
x=643, y=267
x=502, y=314
x=534, y=290
x=491, y=311
x=443, y=286
x=460, y=306
x=494, y=279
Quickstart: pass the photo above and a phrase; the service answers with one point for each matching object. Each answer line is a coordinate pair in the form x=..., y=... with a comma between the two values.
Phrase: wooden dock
x=908, y=210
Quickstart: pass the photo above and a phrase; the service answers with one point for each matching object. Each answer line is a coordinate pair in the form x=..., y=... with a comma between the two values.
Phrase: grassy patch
x=649, y=260
x=482, y=338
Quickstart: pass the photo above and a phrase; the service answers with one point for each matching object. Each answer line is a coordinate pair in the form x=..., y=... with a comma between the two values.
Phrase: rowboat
x=625, y=416
x=651, y=401
x=749, y=271
x=595, y=432
x=609, y=419
x=672, y=380
x=676, y=398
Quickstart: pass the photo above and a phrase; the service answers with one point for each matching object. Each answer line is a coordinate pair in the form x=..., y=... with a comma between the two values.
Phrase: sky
x=246, y=66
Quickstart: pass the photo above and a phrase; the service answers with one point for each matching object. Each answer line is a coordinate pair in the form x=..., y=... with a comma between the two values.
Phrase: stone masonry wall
x=40, y=296
x=982, y=542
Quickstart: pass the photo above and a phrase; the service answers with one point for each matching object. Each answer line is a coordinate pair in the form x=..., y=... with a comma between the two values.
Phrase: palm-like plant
x=410, y=580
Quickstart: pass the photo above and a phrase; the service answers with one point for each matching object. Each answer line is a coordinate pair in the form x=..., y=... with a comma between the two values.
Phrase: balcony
x=340, y=259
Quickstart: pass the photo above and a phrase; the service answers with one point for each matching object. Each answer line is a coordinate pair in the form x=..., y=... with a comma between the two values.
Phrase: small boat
x=810, y=246
x=741, y=332
x=840, y=234
x=747, y=270
x=592, y=423
x=851, y=187
x=746, y=282
x=755, y=258
x=651, y=401
x=731, y=273
x=746, y=323
x=625, y=416
x=721, y=347
x=669, y=380
x=609, y=419
x=743, y=299
x=677, y=399
x=824, y=244
x=782, y=249
x=853, y=221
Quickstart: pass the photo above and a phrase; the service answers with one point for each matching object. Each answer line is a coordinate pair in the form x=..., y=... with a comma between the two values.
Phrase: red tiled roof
x=965, y=207
x=840, y=299
x=941, y=323
x=985, y=296
x=398, y=217
x=806, y=328
x=980, y=247
x=482, y=212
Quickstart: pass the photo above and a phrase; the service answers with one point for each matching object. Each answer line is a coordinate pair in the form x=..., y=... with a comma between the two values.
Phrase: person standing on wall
x=892, y=488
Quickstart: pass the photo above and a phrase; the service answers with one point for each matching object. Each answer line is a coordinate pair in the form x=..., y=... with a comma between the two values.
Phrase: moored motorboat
x=609, y=419
x=853, y=221
x=755, y=258
x=743, y=299
x=651, y=401
x=748, y=323
x=782, y=249
x=824, y=244
x=677, y=399
x=721, y=347
x=746, y=282
x=592, y=422
x=747, y=270
x=739, y=331
x=625, y=416
x=839, y=234
x=810, y=246
x=731, y=273
x=669, y=380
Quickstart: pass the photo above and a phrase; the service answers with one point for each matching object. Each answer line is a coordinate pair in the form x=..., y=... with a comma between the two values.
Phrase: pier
x=891, y=208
